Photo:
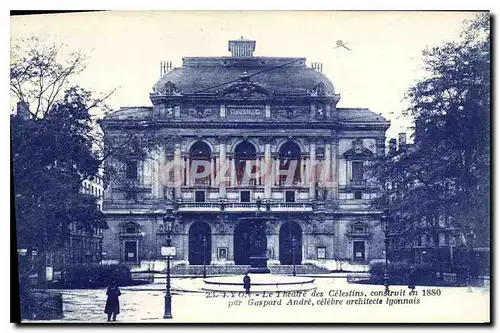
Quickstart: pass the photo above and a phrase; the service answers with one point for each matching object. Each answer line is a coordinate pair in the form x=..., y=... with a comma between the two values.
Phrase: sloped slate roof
x=282, y=80
x=359, y=115
x=131, y=113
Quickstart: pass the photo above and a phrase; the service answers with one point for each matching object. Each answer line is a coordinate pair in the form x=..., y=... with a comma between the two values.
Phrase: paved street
x=146, y=304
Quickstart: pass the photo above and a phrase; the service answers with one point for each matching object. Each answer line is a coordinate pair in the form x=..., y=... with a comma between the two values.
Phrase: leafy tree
x=56, y=144
x=443, y=179
x=53, y=148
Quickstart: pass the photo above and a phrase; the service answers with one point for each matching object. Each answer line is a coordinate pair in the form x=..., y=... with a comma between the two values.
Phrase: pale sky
x=125, y=48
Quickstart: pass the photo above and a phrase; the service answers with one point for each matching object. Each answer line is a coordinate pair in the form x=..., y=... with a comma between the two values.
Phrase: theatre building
x=270, y=128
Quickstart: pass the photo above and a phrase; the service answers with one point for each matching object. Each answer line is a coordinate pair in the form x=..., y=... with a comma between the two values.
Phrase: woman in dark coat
x=411, y=278
x=112, y=303
x=246, y=283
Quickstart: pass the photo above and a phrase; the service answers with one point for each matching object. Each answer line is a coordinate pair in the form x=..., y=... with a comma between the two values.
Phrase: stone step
x=242, y=269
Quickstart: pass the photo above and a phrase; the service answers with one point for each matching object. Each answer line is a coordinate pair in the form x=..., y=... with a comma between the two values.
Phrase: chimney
x=165, y=66
x=392, y=146
x=317, y=66
x=402, y=140
x=23, y=110
x=242, y=48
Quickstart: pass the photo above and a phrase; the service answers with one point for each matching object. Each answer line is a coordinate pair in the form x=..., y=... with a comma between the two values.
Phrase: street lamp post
x=204, y=257
x=168, y=220
x=385, y=225
x=293, y=255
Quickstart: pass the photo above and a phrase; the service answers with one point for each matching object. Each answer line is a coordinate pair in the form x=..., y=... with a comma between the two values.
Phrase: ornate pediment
x=358, y=150
x=318, y=90
x=245, y=90
x=169, y=89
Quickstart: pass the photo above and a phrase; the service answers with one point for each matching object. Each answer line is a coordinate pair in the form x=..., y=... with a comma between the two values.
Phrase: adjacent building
x=247, y=132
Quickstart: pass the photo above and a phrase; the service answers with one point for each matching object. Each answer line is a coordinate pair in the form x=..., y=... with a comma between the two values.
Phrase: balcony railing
x=244, y=206
x=357, y=183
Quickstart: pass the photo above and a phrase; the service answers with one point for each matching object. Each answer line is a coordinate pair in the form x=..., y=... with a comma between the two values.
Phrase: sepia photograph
x=250, y=167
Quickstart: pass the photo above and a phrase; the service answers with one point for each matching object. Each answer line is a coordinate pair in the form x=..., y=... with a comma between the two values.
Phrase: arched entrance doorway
x=197, y=231
x=249, y=238
x=289, y=230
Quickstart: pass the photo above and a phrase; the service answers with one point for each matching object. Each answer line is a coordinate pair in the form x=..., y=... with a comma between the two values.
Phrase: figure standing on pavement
x=112, y=303
x=411, y=278
x=246, y=283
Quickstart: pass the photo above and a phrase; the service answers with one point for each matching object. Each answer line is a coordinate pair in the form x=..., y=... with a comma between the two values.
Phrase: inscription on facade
x=244, y=112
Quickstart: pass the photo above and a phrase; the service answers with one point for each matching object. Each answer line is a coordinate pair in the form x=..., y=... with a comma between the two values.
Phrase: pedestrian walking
x=246, y=283
x=112, y=303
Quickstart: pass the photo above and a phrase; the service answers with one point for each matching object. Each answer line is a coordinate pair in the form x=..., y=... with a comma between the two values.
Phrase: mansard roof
x=131, y=113
x=359, y=115
x=200, y=74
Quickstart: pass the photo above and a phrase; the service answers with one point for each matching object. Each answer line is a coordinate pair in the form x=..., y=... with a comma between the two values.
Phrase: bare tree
x=39, y=75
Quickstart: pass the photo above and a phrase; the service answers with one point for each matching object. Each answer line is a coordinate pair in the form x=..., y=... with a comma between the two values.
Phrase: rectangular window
x=131, y=170
x=358, y=195
x=357, y=170
x=199, y=196
x=245, y=196
x=130, y=251
x=358, y=250
x=289, y=196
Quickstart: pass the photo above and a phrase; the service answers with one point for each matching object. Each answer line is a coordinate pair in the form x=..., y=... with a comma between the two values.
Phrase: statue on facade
x=320, y=111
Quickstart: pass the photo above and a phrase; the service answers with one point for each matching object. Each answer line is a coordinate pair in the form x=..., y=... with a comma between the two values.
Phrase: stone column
x=327, y=169
x=185, y=240
x=222, y=168
x=301, y=166
x=335, y=168
x=157, y=175
x=233, y=171
x=268, y=171
x=187, y=167
x=312, y=170
x=212, y=171
x=380, y=147
x=178, y=166
x=273, y=243
x=276, y=171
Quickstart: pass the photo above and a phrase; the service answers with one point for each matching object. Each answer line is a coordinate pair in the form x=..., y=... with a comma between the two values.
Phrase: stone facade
x=267, y=110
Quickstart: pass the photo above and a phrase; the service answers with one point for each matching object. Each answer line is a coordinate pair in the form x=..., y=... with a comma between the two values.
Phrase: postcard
x=251, y=167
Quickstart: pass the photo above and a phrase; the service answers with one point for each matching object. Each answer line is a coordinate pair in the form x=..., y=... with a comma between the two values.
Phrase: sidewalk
x=146, y=304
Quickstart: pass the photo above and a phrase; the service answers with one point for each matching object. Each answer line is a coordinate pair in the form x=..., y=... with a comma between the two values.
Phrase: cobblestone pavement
x=146, y=304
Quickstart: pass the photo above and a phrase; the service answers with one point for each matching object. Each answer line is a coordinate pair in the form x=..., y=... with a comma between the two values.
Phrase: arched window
x=289, y=163
x=199, y=157
x=245, y=153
